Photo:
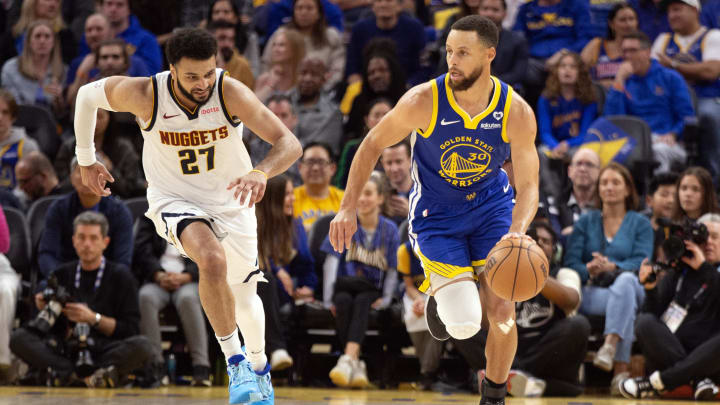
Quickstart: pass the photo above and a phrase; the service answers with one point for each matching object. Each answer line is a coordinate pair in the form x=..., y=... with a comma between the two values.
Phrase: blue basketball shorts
x=451, y=239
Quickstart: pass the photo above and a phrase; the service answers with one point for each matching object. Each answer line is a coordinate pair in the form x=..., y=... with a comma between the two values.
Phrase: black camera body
x=56, y=296
x=676, y=233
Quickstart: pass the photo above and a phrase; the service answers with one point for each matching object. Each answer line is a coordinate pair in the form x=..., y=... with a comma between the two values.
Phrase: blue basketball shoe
x=264, y=383
x=243, y=385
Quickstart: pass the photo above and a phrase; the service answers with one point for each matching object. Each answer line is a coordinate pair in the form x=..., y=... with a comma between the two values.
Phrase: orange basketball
x=516, y=270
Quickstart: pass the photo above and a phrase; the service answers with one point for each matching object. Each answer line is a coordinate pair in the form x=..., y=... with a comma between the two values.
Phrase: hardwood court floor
x=283, y=396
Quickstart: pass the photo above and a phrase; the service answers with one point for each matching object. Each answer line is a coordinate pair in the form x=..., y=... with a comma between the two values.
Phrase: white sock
x=656, y=381
x=230, y=344
x=250, y=317
x=258, y=360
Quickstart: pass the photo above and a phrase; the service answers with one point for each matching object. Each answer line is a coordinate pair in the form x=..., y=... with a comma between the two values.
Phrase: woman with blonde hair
x=37, y=75
x=281, y=72
x=50, y=10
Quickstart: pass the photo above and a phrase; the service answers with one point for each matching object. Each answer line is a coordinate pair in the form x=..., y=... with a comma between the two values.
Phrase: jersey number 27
x=189, y=157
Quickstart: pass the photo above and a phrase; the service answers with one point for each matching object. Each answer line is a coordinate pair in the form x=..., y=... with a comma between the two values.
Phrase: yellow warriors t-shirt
x=309, y=209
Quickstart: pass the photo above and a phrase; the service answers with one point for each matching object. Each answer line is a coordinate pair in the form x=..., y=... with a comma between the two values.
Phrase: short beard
x=467, y=82
x=191, y=97
x=306, y=98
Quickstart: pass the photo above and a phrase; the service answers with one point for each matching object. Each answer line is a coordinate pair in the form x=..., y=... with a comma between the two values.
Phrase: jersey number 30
x=189, y=157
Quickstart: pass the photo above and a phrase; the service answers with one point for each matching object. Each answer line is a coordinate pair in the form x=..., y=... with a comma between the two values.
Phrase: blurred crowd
x=627, y=101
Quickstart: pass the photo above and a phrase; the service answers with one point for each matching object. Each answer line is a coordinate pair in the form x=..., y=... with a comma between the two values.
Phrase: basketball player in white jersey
x=201, y=185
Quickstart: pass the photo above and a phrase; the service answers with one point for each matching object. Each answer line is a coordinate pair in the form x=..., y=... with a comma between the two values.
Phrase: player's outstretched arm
x=243, y=104
x=521, y=133
x=117, y=93
x=413, y=111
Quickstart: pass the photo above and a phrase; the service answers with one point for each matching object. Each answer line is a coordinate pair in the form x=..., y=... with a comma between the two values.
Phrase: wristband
x=85, y=156
x=260, y=171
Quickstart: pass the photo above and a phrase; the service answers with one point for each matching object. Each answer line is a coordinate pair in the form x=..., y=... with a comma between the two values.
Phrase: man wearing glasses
x=316, y=198
x=583, y=173
x=656, y=94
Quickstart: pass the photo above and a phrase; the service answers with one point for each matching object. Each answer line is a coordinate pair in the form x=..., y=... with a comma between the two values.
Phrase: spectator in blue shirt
x=362, y=277
x=97, y=30
x=658, y=95
x=694, y=51
x=126, y=26
x=651, y=17
x=710, y=14
x=281, y=12
x=566, y=108
x=553, y=25
x=388, y=21
x=606, y=248
x=602, y=55
x=56, y=242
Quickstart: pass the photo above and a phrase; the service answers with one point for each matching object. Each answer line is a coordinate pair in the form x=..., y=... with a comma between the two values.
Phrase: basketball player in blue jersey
x=465, y=124
x=196, y=165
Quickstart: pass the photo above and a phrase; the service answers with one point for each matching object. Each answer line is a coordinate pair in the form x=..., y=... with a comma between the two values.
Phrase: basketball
x=516, y=269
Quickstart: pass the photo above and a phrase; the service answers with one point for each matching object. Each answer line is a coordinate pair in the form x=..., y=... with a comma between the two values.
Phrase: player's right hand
x=342, y=228
x=252, y=184
x=95, y=177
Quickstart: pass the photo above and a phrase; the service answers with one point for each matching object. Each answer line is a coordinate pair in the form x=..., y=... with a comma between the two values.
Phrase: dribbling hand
x=95, y=177
x=342, y=228
x=518, y=235
x=253, y=183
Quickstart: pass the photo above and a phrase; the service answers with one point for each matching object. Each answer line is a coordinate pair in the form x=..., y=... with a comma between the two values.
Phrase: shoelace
x=264, y=385
x=644, y=388
x=236, y=374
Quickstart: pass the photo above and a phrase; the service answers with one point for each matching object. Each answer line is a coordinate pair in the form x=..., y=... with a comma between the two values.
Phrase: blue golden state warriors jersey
x=693, y=53
x=458, y=155
x=9, y=156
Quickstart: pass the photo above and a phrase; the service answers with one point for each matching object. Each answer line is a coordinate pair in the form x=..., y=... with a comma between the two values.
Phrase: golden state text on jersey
x=458, y=155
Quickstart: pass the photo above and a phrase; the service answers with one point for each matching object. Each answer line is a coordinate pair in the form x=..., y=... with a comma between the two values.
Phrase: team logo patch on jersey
x=498, y=115
x=465, y=160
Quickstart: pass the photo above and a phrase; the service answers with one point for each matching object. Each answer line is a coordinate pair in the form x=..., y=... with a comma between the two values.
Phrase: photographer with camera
x=88, y=324
x=678, y=327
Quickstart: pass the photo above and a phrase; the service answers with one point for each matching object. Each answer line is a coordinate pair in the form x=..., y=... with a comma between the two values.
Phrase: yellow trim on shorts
x=442, y=269
x=476, y=263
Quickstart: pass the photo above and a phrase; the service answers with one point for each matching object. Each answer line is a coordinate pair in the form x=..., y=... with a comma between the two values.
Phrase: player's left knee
x=502, y=315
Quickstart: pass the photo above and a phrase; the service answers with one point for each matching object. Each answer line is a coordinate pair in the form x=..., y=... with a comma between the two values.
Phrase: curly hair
x=583, y=86
x=191, y=43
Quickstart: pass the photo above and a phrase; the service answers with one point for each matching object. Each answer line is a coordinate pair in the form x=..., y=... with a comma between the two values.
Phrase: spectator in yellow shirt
x=316, y=198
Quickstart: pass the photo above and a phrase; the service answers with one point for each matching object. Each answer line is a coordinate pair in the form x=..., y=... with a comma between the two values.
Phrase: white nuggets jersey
x=192, y=154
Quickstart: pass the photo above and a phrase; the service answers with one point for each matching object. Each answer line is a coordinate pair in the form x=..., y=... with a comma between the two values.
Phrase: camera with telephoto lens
x=676, y=233
x=56, y=296
x=80, y=344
